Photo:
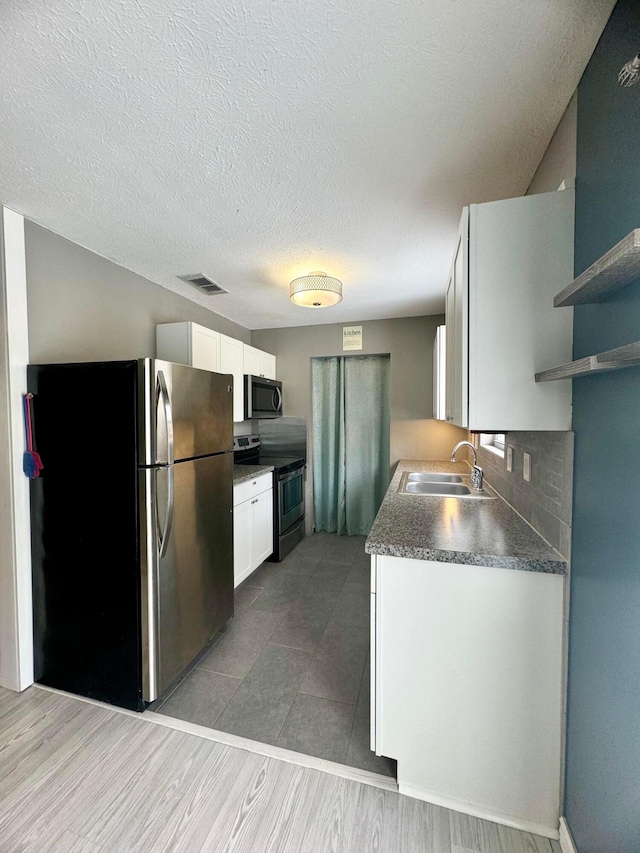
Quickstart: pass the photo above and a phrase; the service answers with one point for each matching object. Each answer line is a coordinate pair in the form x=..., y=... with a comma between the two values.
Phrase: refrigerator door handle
x=163, y=394
x=168, y=521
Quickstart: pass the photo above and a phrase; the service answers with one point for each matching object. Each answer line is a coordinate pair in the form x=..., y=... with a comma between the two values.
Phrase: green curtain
x=350, y=410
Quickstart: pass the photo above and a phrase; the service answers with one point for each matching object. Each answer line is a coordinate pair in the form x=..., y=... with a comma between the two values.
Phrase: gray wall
x=545, y=502
x=559, y=161
x=409, y=341
x=85, y=307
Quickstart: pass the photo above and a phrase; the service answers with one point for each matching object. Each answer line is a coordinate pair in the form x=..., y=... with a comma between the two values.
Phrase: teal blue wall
x=602, y=801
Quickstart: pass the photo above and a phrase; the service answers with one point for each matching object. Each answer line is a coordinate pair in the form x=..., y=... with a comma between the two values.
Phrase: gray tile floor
x=292, y=667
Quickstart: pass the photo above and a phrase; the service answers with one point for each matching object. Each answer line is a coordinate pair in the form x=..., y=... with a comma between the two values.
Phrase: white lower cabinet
x=467, y=687
x=252, y=525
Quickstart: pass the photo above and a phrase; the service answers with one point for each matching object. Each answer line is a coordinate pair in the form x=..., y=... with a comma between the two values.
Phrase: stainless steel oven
x=290, y=497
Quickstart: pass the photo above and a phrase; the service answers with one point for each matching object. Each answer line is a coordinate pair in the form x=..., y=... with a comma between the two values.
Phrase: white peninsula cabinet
x=195, y=345
x=510, y=260
x=467, y=687
x=252, y=525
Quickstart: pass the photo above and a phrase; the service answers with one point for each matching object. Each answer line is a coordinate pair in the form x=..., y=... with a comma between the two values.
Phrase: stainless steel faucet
x=476, y=472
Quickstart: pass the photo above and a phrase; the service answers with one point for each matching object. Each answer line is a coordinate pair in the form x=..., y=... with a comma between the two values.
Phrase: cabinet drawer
x=251, y=488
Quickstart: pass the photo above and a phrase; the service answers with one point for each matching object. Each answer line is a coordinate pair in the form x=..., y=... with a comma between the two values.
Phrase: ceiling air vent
x=204, y=284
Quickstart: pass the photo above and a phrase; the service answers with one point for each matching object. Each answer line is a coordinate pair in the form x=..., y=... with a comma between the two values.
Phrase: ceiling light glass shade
x=316, y=290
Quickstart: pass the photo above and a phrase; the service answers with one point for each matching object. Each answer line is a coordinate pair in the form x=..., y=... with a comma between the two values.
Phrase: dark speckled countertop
x=457, y=530
x=242, y=473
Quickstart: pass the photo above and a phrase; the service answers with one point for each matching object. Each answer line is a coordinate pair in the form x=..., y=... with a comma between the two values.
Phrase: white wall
x=16, y=635
x=83, y=307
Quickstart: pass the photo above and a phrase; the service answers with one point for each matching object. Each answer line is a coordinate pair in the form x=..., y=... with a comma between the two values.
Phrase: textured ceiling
x=257, y=140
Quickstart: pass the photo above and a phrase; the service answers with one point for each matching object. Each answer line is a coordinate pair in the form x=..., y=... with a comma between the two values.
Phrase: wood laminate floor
x=81, y=778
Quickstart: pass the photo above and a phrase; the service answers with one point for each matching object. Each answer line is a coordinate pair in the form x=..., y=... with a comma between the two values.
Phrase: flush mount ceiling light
x=316, y=290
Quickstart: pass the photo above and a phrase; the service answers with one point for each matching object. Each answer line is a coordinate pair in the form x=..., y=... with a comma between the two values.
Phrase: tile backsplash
x=546, y=501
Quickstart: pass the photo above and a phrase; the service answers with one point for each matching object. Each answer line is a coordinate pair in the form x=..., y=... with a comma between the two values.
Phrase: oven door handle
x=291, y=475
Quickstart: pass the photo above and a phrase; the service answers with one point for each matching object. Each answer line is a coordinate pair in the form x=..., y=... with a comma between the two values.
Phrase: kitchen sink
x=434, y=478
x=454, y=489
x=441, y=485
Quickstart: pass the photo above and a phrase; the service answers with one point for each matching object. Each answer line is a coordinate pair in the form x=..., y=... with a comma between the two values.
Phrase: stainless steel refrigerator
x=131, y=524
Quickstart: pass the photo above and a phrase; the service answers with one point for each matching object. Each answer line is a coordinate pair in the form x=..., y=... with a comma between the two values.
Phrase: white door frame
x=16, y=619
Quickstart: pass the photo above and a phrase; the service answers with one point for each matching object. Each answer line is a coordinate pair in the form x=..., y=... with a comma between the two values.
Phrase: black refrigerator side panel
x=85, y=541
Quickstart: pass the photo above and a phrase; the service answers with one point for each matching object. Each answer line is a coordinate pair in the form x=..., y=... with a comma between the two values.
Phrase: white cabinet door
x=520, y=256
x=511, y=257
x=468, y=686
x=232, y=361
x=251, y=360
x=259, y=363
x=450, y=369
x=268, y=365
x=457, y=328
x=189, y=343
x=439, y=373
x=205, y=348
x=262, y=527
x=252, y=526
x=242, y=537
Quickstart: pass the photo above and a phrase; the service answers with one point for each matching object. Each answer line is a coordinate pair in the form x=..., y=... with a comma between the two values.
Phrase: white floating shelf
x=613, y=359
x=617, y=268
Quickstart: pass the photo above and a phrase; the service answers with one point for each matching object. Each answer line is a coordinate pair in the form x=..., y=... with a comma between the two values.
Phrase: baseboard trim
x=475, y=811
x=567, y=844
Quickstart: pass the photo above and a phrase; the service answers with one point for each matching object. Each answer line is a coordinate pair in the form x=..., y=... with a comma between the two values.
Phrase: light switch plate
x=509, y=458
x=526, y=467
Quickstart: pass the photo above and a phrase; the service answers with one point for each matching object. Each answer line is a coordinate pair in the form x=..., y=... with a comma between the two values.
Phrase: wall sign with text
x=351, y=337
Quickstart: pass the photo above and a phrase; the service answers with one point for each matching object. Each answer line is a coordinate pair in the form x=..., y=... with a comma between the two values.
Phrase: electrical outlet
x=509, y=458
x=526, y=467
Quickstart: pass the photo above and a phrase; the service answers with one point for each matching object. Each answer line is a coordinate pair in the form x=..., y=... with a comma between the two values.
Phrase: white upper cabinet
x=205, y=346
x=197, y=346
x=232, y=361
x=457, y=328
x=259, y=363
x=511, y=258
x=189, y=343
x=439, y=378
x=251, y=360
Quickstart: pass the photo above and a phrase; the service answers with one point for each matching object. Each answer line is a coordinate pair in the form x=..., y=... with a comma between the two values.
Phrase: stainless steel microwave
x=262, y=397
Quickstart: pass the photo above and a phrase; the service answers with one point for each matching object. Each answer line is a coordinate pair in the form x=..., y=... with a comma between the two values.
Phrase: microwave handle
x=248, y=407
x=277, y=400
